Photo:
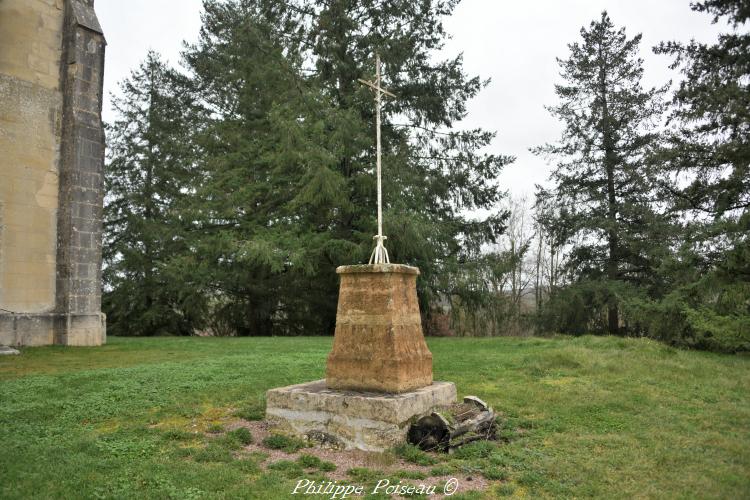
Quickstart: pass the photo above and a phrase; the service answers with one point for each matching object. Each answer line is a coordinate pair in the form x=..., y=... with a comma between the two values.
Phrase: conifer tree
x=434, y=175
x=708, y=143
x=145, y=176
x=263, y=201
x=603, y=186
x=707, y=156
x=286, y=154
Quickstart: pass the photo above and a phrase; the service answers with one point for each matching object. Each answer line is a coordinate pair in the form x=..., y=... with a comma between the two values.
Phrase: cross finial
x=379, y=254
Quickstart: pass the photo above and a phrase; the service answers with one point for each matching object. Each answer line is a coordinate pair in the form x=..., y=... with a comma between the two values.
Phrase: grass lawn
x=583, y=417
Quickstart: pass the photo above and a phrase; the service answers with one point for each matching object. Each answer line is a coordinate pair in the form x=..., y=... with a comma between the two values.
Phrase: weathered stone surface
x=51, y=161
x=378, y=343
x=8, y=351
x=367, y=421
x=29, y=147
x=79, y=221
x=52, y=328
x=82, y=330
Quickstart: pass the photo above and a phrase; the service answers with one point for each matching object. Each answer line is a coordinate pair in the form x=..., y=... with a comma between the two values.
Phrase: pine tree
x=603, y=186
x=147, y=146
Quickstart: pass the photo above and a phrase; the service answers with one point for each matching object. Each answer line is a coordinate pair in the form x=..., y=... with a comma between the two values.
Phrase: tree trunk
x=538, y=277
x=609, y=165
x=454, y=426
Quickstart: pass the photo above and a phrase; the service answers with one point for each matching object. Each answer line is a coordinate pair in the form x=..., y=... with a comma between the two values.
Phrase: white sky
x=512, y=42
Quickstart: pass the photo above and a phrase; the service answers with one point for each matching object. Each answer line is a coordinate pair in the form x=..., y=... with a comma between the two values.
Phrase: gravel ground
x=387, y=463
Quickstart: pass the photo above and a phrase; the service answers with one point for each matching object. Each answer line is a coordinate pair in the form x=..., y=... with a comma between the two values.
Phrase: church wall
x=51, y=160
x=30, y=114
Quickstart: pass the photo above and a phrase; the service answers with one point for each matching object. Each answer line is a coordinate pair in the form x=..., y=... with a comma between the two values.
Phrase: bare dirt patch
x=387, y=464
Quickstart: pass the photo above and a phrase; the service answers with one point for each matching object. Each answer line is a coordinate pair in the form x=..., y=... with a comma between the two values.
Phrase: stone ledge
x=40, y=329
x=367, y=421
x=377, y=268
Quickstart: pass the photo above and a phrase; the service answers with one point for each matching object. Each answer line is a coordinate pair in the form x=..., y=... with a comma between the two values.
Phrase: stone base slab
x=368, y=421
x=39, y=329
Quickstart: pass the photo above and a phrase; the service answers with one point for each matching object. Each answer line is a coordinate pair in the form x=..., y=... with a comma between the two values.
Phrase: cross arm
x=375, y=87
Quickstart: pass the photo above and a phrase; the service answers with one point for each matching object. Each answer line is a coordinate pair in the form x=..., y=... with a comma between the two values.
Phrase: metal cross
x=379, y=254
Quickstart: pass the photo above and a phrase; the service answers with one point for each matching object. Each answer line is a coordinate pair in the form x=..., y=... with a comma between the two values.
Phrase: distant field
x=588, y=416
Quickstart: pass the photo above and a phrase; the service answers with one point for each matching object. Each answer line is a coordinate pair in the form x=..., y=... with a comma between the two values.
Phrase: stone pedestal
x=379, y=372
x=367, y=421
x=378, y=344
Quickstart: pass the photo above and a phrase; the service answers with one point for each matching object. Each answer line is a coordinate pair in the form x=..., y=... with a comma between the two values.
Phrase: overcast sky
x=514, y=43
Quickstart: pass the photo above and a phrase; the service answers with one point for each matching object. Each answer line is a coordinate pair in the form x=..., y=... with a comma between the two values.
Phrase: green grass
x=242, y=435
x=582, y=417
x=284, y=443
x=412, y=454
x=313, y=462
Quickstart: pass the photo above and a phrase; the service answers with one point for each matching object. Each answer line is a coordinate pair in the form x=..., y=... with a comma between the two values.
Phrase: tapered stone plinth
x=378, y=344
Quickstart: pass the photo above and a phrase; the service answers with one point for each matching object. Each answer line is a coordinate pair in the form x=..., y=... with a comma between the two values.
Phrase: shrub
x=676, y=321
x=710, y=314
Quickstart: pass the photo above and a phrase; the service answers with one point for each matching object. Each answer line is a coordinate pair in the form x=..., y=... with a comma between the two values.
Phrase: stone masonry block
x=378, y=344
x=367, y=421
x=83, y=330
x=51, y=163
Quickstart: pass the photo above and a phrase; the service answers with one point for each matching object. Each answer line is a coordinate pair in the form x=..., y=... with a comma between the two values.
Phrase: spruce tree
x=603, y=185
x=148, y=167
